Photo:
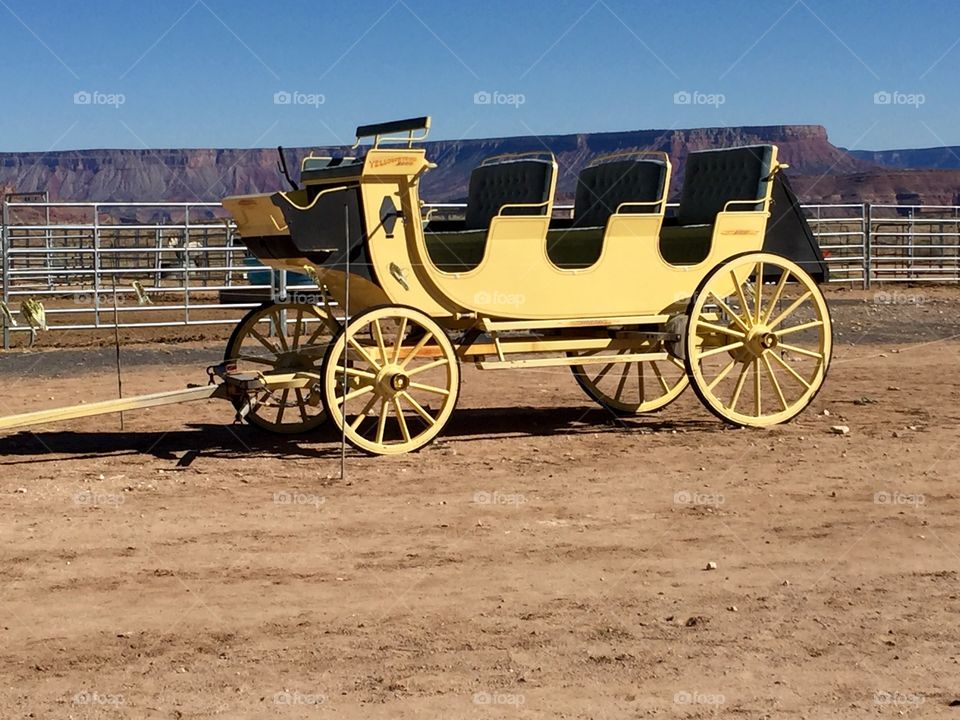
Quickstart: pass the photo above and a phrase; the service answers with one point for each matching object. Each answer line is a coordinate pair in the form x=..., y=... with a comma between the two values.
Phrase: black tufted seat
x=713, y=178
x=524, y=180
x=601, y=189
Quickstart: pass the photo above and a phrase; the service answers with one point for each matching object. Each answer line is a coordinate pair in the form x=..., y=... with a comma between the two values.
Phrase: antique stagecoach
x=722, y=295
x=637, y=302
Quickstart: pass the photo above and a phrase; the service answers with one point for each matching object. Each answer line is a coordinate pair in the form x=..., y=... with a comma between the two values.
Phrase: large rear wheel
x=759, y=340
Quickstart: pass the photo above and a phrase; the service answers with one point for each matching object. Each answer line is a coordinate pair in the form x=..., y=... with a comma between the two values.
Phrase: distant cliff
x=935, y=158
x=824, y=172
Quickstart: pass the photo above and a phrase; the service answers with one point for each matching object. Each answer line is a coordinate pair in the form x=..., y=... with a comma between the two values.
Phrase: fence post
x=867, y=244
x=96, y=266
x=5, y=257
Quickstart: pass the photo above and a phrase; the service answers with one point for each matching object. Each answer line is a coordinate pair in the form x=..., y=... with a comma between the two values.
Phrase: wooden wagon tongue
x=234, y=386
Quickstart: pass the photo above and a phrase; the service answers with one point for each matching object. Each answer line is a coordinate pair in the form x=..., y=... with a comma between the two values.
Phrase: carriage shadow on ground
x=232, y=441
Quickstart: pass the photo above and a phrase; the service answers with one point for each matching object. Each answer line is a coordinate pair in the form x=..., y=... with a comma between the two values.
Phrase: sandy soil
x=540, y=561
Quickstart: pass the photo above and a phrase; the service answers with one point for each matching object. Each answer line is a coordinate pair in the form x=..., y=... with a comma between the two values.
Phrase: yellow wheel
x=632, y=388
x=283, y=337
x=390, y=380
x=759, y=340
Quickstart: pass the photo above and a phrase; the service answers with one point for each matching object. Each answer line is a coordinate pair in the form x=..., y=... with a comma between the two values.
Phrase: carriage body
x=365, y=219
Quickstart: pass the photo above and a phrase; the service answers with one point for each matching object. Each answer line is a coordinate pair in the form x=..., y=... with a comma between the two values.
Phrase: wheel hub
x=760, y=340
x=391, y=381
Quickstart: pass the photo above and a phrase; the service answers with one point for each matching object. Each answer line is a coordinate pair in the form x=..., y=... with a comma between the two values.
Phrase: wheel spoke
x=354, y=394
x=720, y=329
x=723, y=373
x=733, y=316
x=742, y=298
x=281, y=329
x=758, y=298
x=297, y=329
x=623, y=381
x=398, y=343
x=801, y=351
x=378, y=336
x=781, y=284
x=603, y=373
x=427, y=337
x=363, y=413
x=283, y=405
x=757, y=404
x=324, y=325
x=789, y=311
x=719, y=350
x=741, y=379
x=418, y=408
x=404, y=430
x=382, y=421
x=800, y=328
x=263, y=341
x=429, y=366
x=660, y=377
x=430, y=388
x=786, y=366
x=302, y=405
x=773, y=380
x=363, y=353
x=355, y=372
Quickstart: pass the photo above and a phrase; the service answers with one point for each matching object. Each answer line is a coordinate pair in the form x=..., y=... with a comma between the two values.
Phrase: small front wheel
x=759, y=340
x=390, y=380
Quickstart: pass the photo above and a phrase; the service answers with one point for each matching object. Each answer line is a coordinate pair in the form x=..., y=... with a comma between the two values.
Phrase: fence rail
x=85, y=260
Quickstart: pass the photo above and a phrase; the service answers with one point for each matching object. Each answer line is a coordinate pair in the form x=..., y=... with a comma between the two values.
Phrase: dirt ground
x=539, y=561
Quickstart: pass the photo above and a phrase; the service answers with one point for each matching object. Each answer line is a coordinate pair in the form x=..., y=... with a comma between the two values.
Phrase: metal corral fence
x=145, y=265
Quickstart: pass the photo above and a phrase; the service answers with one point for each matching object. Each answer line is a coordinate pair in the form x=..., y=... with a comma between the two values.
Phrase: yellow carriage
x=637, y=304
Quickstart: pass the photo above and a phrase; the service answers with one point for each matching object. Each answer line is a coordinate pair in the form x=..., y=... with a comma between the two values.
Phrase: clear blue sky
x=204, y=73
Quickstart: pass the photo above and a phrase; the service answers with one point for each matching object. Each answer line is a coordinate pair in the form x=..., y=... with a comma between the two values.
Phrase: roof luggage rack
x=379, y=130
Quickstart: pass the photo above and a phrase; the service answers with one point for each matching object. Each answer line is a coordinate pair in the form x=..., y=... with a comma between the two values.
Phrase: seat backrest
x=523, y=180
x=601, y=189
x=714, y=177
